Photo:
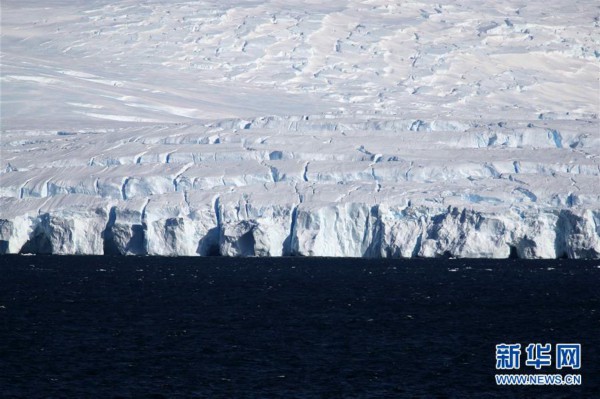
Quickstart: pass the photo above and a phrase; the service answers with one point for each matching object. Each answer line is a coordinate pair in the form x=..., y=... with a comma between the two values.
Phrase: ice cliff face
x=374, y=192
x=348, y=128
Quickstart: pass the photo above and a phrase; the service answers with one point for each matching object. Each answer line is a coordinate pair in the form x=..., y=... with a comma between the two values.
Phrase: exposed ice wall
x=485, y=190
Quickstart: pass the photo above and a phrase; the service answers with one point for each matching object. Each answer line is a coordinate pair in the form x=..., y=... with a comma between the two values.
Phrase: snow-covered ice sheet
x=267, y=128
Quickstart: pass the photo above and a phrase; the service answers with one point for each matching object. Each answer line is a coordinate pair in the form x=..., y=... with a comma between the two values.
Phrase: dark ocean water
x=287, y=327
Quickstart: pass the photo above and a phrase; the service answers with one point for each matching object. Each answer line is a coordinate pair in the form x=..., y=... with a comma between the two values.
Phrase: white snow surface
x=266, y=128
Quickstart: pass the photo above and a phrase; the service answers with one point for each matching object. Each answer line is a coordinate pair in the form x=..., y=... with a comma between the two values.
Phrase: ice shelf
x=349, y=128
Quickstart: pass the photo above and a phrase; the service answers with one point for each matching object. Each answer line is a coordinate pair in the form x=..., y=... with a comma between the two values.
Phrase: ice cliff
x=347, y=128
x=376, y=189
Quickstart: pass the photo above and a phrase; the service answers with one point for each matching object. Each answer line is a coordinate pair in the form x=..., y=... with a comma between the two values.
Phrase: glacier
x=353, y=128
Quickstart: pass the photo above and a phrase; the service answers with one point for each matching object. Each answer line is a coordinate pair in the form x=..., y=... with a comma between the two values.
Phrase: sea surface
x=135, y=327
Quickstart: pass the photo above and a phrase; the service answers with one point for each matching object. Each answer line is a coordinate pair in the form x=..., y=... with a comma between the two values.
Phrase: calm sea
x=287, y=327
